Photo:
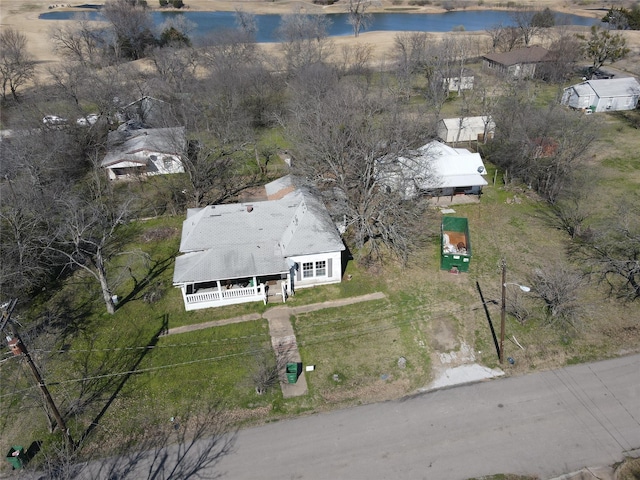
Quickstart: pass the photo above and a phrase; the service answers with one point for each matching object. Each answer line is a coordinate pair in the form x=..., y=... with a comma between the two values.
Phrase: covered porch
x=219, y=293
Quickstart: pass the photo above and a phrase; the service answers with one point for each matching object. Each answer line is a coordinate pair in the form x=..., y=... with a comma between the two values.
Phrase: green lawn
x=355, y=349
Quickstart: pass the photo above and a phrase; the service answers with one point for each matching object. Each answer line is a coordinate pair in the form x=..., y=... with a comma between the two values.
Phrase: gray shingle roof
x=253, y=238
x=124, y=146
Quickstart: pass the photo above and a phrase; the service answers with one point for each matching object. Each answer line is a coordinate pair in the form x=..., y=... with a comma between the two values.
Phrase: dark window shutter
x=330, y=267
x=298, y=271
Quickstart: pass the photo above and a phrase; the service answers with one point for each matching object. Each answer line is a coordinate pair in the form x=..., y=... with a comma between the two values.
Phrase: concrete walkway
x=283, y=338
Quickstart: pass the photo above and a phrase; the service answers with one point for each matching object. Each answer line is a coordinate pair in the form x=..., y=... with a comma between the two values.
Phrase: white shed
x=466, y=129
x=606, y=95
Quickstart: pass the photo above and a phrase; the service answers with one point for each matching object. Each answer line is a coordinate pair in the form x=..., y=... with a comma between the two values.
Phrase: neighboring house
x=466, y=129
x=245, y=252
x=144, y=151
x=438, y=170
x=457, y=83
x=519, y=63
x=606, y=95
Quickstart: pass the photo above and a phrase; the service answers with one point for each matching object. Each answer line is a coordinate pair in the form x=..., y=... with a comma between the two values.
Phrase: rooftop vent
x=249, y=208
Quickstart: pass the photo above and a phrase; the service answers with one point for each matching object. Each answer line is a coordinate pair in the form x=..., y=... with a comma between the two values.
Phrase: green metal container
x=292, y=372
x=16, y=457
x=455, y=244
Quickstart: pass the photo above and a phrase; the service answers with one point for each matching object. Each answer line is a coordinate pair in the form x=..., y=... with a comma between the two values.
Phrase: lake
x=473, y=20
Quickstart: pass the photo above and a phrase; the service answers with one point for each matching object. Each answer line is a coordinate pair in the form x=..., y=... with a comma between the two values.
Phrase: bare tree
x=558, y=286
x=611, y=250
x=505, y=38
x=16, y=65
x=304, y=39
x=564, y=53
x=86, y=237
x=347, y=138
x=78, y=41
x=217, y=173
x=410, y=53
x=571, y=210
x=355, y=59
x=541, y=147
x=70, y=79
x=132, y=26
x=358, y=17
x=175, y=68
x=525, y=19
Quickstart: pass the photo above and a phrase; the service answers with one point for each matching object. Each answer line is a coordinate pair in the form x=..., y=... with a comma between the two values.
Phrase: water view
x=207, y=22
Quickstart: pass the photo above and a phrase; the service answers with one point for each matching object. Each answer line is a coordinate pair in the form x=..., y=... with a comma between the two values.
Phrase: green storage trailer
x=455, y=244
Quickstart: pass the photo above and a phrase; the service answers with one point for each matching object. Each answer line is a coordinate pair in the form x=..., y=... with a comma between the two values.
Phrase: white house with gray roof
x=245, y=252
x=604, y=95
x=437, y=170
x=144, y=151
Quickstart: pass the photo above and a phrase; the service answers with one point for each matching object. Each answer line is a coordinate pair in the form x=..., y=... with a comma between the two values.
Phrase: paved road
x=545, y=424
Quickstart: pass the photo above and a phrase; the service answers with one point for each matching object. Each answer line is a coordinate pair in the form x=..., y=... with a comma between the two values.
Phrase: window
x=168, y=162
x=321, y=268
x=307, y=270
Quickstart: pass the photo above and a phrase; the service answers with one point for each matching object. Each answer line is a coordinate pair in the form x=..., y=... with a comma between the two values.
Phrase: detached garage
x=606, y=95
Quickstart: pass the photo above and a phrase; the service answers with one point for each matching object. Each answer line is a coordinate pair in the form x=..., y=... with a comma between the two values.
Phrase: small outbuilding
x=462, y=81
x=605, y=95
x=466, y=129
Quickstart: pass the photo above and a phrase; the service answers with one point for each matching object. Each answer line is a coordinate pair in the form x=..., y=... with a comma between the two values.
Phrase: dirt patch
x=378, y=391
x=443, y=335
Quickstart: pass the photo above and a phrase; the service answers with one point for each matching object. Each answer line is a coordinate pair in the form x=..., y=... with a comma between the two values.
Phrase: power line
x=332, y=337
x=151, y=347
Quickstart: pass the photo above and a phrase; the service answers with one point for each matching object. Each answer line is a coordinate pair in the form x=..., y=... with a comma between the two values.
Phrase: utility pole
x=503, y=308
x=19, y=348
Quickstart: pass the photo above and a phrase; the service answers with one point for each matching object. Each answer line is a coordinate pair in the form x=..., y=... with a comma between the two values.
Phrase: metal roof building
x=605, y=95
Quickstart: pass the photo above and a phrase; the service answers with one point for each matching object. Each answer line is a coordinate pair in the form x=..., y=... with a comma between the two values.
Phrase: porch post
x=183, y=289
x=219, y=289
x=255, y=286
x=264, y=292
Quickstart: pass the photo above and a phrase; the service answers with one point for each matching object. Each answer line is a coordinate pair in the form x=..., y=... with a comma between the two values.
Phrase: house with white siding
x=604, y=95
x=466, y=129
x=251, y=251
x=446, y=174
x=144, y=152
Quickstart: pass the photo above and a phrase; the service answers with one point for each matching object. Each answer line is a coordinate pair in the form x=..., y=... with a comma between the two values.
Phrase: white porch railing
x=230, y=294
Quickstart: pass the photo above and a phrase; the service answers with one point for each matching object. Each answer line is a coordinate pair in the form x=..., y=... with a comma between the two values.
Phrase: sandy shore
x=23, y=16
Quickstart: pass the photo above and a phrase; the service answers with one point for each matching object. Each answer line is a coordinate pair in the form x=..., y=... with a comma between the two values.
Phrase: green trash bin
x=292, y=372
x=16, y=457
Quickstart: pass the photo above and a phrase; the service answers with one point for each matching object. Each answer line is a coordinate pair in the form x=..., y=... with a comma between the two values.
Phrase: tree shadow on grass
x=157, y=269
x=119, y=385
